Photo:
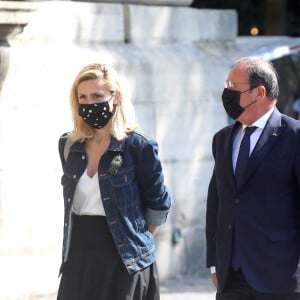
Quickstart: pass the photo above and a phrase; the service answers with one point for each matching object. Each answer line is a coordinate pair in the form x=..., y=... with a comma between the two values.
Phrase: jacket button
x=236, y=200
x=74, y=176
x=83, y=157
x=69, y=200
x=66, y=224
x=229, y=227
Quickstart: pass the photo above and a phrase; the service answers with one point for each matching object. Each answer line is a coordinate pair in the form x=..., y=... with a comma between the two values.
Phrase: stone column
x=4, y=52
x=14, y=16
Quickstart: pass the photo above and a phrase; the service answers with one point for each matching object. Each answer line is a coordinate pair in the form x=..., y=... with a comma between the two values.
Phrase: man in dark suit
x=253, y=204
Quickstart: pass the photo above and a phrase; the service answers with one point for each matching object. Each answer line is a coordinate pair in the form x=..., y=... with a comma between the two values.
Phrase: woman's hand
x=153, y=229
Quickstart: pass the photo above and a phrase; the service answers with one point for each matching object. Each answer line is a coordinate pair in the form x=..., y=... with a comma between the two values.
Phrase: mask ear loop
x=249, y=89
x=253, y=100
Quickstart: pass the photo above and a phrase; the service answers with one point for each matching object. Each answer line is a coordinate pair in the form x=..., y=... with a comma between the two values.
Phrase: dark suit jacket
x=264, y=213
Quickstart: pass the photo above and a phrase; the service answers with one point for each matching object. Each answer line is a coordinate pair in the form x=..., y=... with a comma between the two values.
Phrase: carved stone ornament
x=14, y=16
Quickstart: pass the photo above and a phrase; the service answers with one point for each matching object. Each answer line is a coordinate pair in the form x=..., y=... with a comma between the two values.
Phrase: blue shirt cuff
x=156, y=217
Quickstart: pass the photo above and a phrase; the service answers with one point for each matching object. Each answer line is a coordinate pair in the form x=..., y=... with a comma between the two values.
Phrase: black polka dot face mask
x=96, y=115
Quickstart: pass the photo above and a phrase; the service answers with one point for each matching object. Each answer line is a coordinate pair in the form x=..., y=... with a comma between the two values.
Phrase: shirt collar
x=262, y=121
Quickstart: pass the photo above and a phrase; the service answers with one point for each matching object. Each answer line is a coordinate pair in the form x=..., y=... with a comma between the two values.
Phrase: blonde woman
x=114, y=196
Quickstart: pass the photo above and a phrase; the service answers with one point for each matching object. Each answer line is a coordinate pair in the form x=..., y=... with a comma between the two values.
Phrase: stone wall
x=173, y=61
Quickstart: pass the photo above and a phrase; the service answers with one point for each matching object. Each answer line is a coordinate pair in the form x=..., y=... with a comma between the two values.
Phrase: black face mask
x=96, y=115
x=231, y=102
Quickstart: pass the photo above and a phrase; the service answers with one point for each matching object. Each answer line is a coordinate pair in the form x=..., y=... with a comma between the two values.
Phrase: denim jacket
x=133, y=197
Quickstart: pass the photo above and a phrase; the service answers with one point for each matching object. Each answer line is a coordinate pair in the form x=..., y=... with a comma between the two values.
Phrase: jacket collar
x=114, y=146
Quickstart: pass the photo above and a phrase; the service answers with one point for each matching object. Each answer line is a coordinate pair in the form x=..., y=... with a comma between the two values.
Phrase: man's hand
x=214, y=279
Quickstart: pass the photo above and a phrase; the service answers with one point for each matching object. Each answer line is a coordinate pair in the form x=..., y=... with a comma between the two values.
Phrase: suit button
x=236, y=200
x=229, y=227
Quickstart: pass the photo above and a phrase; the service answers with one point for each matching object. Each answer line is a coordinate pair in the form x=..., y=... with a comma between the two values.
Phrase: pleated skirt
x=94, y=270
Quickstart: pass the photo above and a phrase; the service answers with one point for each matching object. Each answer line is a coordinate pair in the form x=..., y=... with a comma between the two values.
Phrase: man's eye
x=81, y=97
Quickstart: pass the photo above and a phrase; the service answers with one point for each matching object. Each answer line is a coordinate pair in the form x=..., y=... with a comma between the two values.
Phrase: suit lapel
x=265, y=143
x=228, y=147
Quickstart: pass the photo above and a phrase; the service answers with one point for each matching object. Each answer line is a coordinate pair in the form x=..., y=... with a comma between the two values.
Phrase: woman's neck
x=101, y=135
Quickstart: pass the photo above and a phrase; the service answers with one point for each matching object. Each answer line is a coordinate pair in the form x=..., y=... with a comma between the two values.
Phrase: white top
x=87, y=196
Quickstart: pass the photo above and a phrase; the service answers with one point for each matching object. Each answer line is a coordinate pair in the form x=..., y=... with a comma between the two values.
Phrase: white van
x=284, y=53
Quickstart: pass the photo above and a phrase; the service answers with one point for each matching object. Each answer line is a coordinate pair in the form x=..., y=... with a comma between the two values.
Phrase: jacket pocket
x=122, y=179
x=68, y=183
x=63, y=180
x=67, y=178
x=126, y=193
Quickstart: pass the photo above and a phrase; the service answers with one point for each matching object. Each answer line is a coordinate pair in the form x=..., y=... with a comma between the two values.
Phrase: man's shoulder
x=225, y=130
x=290, y=121
x=290, y=125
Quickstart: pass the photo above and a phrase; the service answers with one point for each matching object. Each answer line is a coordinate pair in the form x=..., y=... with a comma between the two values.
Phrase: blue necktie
x=243, y=156
x=240, y=168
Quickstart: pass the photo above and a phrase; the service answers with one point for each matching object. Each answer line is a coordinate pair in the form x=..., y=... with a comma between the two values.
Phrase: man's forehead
x=242, y=66
x=239, y=71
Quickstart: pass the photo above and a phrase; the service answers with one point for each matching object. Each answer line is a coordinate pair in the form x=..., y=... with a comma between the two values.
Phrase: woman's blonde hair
x=123, y=119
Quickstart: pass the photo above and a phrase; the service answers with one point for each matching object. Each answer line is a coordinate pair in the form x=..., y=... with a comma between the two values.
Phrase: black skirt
x=94, y=270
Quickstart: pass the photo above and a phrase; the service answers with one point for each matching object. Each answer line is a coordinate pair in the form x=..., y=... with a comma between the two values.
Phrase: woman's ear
x=117, y=98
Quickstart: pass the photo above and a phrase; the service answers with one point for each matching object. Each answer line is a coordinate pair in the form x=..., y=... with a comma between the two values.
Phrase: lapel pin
x=274, y=134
